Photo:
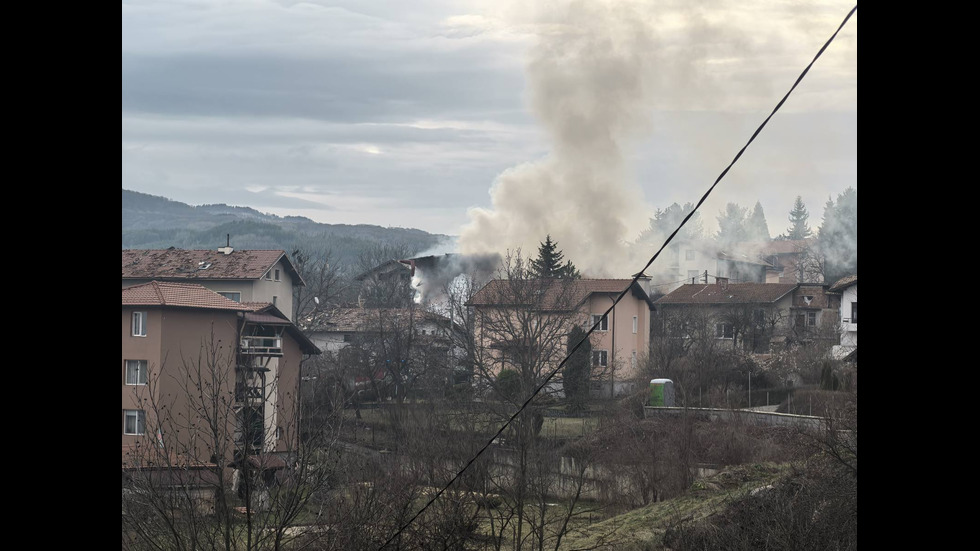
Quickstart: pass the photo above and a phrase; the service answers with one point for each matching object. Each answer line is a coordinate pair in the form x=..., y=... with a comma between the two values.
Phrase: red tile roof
x=187, y=295
x=559, y=294
x=169, y=264
x=733, y=293
x=192, y=295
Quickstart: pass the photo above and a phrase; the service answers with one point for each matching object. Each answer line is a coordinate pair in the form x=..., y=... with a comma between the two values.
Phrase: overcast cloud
x=408, y=113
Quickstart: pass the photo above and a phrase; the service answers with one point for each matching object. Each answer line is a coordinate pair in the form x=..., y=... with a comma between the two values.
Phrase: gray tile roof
x=733, y=293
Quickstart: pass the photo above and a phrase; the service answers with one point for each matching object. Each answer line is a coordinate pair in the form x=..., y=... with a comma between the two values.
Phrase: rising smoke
x=595, y=73
x=586, y=79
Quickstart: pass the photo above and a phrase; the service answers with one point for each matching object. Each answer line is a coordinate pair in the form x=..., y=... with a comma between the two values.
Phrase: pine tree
x=731, y=225
x=756, y=227
x=578, y=371
x=548, y=263
x=798, y=228
x=837, y=236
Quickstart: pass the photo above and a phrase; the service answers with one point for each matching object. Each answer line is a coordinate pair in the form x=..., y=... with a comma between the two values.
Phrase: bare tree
x=520, y=326
x=325, y=284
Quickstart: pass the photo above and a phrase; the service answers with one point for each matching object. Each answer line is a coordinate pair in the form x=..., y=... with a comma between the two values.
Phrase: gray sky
x=415, y=113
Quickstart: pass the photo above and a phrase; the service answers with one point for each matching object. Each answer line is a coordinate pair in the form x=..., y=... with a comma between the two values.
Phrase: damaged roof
x=351, y=320
x=184, y=264
x=733, y=293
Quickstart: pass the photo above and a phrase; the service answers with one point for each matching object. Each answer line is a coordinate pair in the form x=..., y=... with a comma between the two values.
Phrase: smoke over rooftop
x=587, y=88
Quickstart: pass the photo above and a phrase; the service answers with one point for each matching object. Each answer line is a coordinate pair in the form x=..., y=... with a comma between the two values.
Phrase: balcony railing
x=263, y=346
x=248, y=393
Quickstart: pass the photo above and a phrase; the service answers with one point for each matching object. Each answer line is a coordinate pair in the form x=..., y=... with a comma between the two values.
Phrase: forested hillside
x=151, y=222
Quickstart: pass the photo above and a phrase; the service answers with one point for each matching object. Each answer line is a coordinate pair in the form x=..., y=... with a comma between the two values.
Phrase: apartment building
x=240, y=275
x=206, y=378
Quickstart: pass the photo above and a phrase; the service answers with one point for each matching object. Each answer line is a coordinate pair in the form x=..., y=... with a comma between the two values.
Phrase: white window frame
x=268, y=275
x=811, y=319
x=278, y=275
x=724, y=328
x=603, y=323
x=600, y=358
x=140, y=370
x=636, y=324
x=139, y=324
x=139, y=417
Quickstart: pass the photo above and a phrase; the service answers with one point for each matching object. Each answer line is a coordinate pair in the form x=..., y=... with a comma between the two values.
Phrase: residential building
x=847, y=287
x=426, y=340
x=239, y=275
x=774, y=261
x=754, y=316
x=196, y=364
x=510, y=318
x=790, y=260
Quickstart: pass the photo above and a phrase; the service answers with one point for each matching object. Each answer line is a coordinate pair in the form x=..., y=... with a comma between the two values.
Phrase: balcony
x=262, y=346
x=245, y=393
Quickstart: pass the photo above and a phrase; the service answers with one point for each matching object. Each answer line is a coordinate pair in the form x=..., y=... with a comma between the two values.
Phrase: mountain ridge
x=156, y=222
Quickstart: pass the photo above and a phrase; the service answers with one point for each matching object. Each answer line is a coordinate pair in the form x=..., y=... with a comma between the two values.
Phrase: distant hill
x=152, y=222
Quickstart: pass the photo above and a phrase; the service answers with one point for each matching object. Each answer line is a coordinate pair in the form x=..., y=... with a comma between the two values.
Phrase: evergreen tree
x=837, y=236
x=548, y=262
x=756, y=227
x=732, y=225
x=578, y=370
x=798, y=229
x=665, y=221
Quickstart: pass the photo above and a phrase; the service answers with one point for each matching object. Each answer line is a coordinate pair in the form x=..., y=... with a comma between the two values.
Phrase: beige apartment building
x=619, y=344
x=195, y=364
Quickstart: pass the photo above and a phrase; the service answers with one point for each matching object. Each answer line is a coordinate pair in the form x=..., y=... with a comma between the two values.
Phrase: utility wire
x=628, y=287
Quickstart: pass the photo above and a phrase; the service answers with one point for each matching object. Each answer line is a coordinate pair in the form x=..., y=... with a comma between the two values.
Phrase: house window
x=724, y=331
x=689, y=254
x=806, y=319
x=135, y=372
x=232, y=295
x=135, y=421
x=600, y=358
x=854, y=312
x=268, y=275
x=277, y=275
x=139, y=324
x=636, y=324
x=759, y=316
x=633, y=361
x=275, y=299
x=602, y=320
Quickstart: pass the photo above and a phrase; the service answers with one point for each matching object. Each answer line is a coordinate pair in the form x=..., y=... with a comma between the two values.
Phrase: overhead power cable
x=624, y=291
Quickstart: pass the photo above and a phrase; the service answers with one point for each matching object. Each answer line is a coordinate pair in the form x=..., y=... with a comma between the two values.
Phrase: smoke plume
x=586, y=80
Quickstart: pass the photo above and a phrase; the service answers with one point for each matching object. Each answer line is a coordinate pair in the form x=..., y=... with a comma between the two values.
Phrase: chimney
x=227, y=248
